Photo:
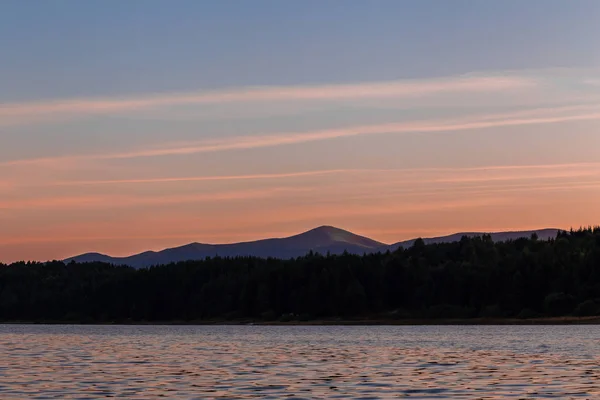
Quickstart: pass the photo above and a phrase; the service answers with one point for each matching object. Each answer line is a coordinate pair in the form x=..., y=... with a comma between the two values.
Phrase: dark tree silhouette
x=473, y=277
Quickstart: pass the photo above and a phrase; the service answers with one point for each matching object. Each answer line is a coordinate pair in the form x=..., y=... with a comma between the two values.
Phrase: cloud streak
x=27, y=112
x=486, y=173
x=520, y=118
x=204, y=178
x=245, y=143
x=380, y=186
x=129, y=201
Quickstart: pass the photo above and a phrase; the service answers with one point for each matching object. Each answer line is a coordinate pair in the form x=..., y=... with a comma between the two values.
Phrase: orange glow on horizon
x=513, y=150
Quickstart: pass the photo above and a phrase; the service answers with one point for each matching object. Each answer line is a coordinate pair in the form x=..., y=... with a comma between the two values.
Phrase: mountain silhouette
x=543, y=234
x=323, y=240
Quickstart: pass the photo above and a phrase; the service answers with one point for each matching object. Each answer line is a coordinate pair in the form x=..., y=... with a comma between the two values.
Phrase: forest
x=471, y=278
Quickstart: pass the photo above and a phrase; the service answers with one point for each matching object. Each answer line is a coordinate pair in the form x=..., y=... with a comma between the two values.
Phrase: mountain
x=543, y=234
x=325, y=239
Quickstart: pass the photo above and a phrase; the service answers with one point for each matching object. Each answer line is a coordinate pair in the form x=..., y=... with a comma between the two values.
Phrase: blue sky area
x=72, y=48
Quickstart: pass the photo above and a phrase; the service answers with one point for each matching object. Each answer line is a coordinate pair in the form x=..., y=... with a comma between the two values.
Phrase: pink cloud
x=260, y=94
x=204, y=178
x=283, y=139
x=519, y=118
x=112, y=202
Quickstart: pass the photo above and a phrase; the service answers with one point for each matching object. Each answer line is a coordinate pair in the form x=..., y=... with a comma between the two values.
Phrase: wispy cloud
x=473, y=190
x=519, y=118
x=26, y=112
x=434, y=175
x=107, y=201
x=240, y=143
x=202, y=178
x=373, y=185
x=112, y=201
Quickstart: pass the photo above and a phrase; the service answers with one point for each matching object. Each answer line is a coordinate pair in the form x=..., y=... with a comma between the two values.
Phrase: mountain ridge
x=323, y=239
x=543, y=234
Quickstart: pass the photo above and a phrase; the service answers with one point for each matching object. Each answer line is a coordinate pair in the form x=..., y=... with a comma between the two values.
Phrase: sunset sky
x=135, y=125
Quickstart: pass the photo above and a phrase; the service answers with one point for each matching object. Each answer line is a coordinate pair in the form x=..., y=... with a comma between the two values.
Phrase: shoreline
x=594, y=320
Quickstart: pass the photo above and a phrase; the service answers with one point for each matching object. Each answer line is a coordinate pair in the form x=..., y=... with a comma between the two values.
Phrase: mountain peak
x=328, y=230
x=327, y=235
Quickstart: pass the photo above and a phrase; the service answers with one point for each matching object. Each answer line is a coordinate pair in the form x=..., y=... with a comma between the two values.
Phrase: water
x=241, y=362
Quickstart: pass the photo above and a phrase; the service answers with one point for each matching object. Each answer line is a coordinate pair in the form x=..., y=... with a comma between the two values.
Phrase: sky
x=143, y=124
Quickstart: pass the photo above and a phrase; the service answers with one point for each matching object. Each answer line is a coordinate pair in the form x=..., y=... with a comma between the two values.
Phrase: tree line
x=474, y=277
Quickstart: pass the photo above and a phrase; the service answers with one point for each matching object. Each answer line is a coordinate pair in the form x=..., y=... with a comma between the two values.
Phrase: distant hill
x=325, y=239
x=543, y=234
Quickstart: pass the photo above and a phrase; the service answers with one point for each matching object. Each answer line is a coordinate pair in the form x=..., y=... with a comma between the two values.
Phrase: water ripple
x=243, y=362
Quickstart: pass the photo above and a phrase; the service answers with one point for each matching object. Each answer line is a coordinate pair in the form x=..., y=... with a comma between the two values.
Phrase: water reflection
x=299, y=362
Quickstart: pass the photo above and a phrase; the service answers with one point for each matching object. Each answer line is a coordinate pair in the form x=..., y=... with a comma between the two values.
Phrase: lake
x=425, y=362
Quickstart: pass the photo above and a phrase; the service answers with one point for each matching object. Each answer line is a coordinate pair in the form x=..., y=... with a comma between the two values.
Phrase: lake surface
x=425, y=362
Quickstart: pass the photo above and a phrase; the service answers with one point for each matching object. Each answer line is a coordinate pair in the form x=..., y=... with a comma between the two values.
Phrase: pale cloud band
x=380, y=185
x=303, y=137
x=30, y=112
x=498, y=82
x=518, y=171
x=586, y=112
